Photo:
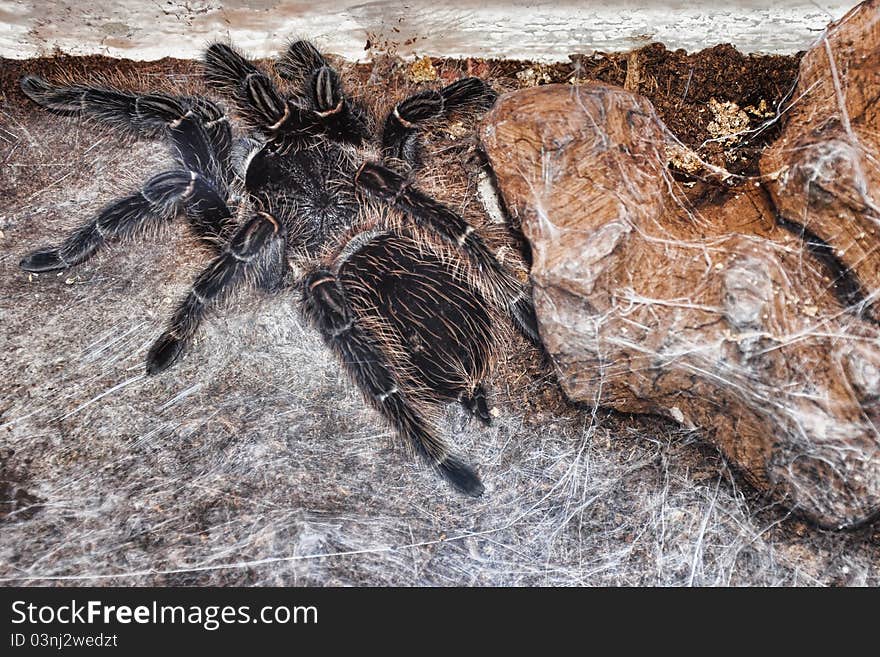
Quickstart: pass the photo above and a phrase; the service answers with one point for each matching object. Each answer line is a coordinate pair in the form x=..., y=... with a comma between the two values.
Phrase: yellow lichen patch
x=456, y=129
x=683, y=158
x=762, y=110
x=728, y=122
x=422, y=70
x=534, y=75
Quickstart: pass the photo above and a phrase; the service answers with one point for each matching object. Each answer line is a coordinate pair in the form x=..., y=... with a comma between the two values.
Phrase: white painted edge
x=516, y=29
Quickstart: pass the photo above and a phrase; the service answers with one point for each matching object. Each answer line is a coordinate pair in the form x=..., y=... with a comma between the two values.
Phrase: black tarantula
x=401, y=287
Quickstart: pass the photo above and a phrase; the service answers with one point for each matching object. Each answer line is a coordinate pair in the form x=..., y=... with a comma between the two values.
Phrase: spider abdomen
x=436, y=327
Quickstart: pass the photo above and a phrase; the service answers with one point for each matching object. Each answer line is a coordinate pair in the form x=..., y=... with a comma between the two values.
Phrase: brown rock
x=654, y=298
x=826, y=166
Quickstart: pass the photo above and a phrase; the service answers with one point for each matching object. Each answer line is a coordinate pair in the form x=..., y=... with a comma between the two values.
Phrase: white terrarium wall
x=506, y=29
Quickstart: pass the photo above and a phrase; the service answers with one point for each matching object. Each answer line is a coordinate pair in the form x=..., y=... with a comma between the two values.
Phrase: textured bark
x=715, y=313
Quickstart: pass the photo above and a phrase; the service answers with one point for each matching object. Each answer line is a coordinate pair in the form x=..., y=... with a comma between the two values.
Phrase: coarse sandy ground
x=254, y=460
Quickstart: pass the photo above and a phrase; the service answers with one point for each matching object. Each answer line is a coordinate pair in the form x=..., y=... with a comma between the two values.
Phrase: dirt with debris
x=255, y=461
x=685, y=89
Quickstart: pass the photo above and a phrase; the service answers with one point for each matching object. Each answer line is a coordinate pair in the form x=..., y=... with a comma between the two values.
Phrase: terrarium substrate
x=255, y=461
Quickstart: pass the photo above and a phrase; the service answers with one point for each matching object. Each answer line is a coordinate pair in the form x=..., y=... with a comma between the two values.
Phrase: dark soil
x=678, y=84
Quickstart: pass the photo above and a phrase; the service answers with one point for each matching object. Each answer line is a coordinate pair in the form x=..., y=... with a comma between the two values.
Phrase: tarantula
x=402, y=288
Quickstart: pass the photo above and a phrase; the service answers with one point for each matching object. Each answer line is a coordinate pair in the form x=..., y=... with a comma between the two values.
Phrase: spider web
x=256, y=462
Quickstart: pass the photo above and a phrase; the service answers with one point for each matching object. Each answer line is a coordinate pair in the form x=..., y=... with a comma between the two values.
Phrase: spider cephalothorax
x=402, y=288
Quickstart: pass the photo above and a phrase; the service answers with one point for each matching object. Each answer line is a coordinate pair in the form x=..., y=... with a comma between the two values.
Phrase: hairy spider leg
x=385, y=185
x=299, y=62
x=200, y=137
x=305, y=66
x=198, y=150
x=143, y=116
x=255, y=96
x=342, y=119
x=401, y=136
x=326, y=306
x=255, y=250
x=208, y=161
x=160, y=200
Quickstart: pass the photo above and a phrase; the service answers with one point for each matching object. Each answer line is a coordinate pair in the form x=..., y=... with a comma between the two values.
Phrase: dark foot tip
x=163, y=353
x=479, y=411
x=41, y=261
x=463, y=477
x=482, y=410
x=221, y=56
x=476, y=404
x=33, y=83
x=470, y=93
x=526, y=321
x=219, y=47
x=306, y=50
